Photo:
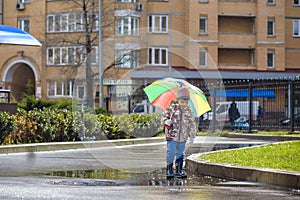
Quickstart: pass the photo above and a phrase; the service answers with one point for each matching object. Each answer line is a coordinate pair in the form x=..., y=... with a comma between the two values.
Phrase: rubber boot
x=169, y=171
x=179, y=173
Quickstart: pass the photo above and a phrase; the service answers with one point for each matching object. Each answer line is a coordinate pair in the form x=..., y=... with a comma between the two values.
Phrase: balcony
x=252, y=1
x=236, y=58
x=237, y=40
x=236, y=31
x=237, y=7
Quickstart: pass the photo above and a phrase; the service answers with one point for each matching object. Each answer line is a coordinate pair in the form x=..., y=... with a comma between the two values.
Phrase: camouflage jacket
x=183, y=124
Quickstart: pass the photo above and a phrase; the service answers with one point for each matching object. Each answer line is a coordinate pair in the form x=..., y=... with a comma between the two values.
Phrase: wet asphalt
x=123, y=172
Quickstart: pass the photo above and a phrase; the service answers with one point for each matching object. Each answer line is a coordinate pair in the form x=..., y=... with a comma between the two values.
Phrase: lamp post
x=100, y=54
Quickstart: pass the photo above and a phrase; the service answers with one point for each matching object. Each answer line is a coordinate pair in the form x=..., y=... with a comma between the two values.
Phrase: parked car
x=287, y=121
x=223, y=107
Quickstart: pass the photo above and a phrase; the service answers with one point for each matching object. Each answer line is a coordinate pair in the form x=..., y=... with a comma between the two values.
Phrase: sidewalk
x=193, y=163
x=53, y=146
x=268, y=176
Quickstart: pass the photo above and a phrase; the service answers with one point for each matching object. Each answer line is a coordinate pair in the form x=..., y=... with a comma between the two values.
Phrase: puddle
x=114, y=177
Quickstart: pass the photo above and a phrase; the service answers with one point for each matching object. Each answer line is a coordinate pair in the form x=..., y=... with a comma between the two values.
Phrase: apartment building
x=143, y=40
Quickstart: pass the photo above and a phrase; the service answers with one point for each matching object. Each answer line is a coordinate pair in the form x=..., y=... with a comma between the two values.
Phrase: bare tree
x=87, y=38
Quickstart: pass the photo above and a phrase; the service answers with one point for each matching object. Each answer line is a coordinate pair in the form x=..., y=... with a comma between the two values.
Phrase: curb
x=268, y=176
x=276, y=138
x=53, y=146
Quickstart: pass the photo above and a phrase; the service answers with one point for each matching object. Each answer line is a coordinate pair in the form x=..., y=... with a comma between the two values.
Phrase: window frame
x=161, y=21
x=126, y=1
x=132, y=25
x=295, y=3
x=271, y=55
x=60, y=88
x=132, y=61
x=60, y=56
x=153, y=60
x=296, y=28
x=271, y=25
x=201, y=18
x=67, y=22
x=22, y=25
x=201, y=51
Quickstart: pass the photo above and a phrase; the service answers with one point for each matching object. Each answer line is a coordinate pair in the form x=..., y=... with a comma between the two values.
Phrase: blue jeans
x=175, y=149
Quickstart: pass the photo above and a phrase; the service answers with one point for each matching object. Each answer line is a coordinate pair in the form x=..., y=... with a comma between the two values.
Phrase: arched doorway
x=20, y=79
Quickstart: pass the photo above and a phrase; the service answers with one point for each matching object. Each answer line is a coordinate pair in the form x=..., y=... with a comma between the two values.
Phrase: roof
x=157, y=73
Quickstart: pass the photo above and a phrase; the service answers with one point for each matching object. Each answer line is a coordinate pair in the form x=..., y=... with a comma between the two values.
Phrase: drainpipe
x=250, y=106
x=292, y=102
x=1, y=11
x=214, y=110
x=171, y=39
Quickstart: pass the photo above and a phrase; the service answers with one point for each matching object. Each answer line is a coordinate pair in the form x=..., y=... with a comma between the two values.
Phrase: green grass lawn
x=282, y=156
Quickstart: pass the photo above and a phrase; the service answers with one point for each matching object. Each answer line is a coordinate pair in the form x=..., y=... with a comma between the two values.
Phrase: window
x=70, y=22
x=158, y=24
x=68, y=55
x=203, y=1
x=271, y=2
x=127, y=26
x=157, y=56
x=271, y=59
x=126, y=58
x=271, y=27
x=24, y=1
x=296, y=2
x=23, y=24
x=296, y=28
x=126, y=1
x=80, y=91
x=203, y=25
x=59, y=88
x=203, y=58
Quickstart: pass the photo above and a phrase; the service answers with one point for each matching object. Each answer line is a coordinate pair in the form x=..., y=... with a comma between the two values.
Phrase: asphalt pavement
x=118, y=170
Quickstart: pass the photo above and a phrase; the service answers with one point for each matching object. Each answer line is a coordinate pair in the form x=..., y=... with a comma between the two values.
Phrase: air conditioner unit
x=20, y=6
x=139, y=7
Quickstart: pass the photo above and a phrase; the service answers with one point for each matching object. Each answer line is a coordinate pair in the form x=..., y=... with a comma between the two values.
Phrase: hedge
x=50, y=124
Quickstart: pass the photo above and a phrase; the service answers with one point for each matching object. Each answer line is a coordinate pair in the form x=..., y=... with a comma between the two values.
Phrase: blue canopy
x=245, y=93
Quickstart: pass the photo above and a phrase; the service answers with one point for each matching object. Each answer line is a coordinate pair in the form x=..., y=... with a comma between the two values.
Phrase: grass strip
x=281, y=156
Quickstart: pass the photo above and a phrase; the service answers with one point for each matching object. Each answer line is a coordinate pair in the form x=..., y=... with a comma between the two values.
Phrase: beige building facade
x=199, y=40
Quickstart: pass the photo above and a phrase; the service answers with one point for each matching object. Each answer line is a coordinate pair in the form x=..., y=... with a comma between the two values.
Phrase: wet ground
x=114, y=177
x=118, y=173
x=135, y=186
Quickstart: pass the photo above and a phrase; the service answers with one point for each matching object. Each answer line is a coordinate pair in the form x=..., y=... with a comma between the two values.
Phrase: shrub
x=92, y=127
x=7, y=125
x=130, y=125
x=25, y=132
x=30, y=102
x=56, y=125
x=110, y=128
x=46, y=125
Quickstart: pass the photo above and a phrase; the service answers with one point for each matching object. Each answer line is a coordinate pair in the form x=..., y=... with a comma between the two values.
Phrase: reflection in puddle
x=114, y=177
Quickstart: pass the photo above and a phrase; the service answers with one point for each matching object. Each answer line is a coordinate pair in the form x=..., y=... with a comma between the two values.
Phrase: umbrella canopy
x=161, y=92
x=12, y=35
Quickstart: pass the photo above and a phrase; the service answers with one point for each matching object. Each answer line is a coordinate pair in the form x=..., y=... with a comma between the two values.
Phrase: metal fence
x=278, y=103
x=278, y=100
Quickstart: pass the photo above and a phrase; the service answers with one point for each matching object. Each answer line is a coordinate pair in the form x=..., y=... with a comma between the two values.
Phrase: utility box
x=9, y=107
x=5, y=105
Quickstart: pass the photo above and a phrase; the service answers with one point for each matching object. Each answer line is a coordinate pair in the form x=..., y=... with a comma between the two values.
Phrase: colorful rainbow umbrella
x=161, y=92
